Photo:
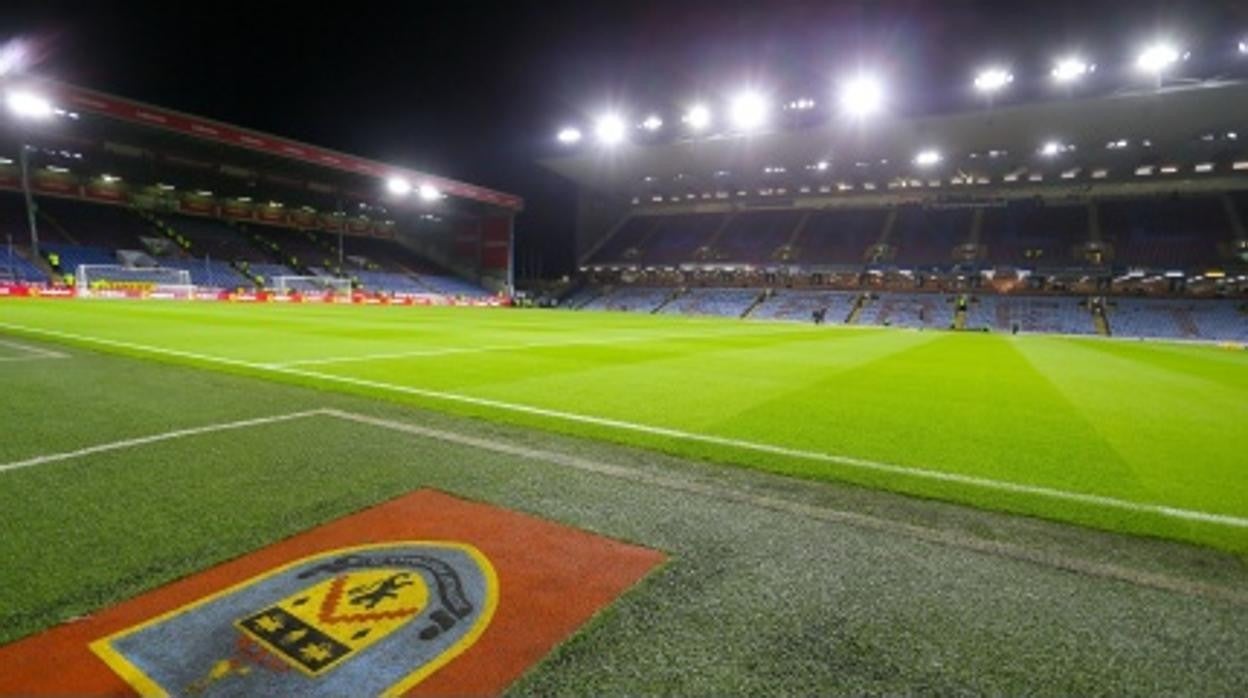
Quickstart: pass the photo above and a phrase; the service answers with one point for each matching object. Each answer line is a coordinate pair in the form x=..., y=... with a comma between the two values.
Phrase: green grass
x=759, y=594
x=1151, y=423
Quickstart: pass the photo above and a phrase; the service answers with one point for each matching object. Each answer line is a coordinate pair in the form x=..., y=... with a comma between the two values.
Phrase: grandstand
x=123, y=183
x=993, y=235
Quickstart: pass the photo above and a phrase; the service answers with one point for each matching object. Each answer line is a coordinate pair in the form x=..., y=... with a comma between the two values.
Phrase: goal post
x=319, y=285
x=114, y=280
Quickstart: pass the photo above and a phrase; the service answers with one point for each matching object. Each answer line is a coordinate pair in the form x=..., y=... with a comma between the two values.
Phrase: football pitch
x=142, y=442
x=1137, y=437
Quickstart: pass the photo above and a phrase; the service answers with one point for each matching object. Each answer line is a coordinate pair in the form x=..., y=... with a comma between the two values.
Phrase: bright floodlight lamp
x=1243, y=46
x=428, y=192
x=652, y=123
x=1071, y=69
x=928, y=158
x=29, y=105
x=1052, y=149
x=993, y=80
x=569, y=135
x=862, y=96
x=698, y=117
x=748, y=111
x=1157, y=58
x=398, y=186
x=609, y=129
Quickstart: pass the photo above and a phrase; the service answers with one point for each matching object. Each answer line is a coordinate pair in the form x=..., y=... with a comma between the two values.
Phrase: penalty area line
x=851, y=462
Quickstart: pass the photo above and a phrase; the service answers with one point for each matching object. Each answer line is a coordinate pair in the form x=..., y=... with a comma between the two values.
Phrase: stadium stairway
x=1100, y=320
x=666, y=301
x=859, y=304
x=959, y=313
x=758, y=300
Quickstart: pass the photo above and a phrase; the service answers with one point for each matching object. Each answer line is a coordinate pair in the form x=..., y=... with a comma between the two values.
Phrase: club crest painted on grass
x=364, y=620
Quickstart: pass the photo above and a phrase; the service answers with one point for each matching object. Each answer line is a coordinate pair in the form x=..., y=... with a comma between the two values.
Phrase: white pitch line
x=32, y=353
x=770, y=449
x=155, y=438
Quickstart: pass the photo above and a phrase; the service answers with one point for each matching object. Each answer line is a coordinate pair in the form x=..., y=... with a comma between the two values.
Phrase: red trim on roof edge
x=81, y=99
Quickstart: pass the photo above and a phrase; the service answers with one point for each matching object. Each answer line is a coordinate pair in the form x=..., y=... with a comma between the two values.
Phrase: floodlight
x=28, y=105
x=652, y=123
x=399, y=186
x=569, y=135
x=1243, y=46
x=1157, y=58
x=1070, y=69
x=609, y=129
x=428, y=192
x=822, y=165
x=748, y=110
x=698, y=117
x=862, y=96
x=993, y=79
x=1052, y=149
x=927, y=158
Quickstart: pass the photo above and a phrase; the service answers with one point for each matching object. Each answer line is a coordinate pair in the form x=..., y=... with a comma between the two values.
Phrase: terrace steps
x=758, y=300
x=1101, y=322
x=667, y=301
x=860, y=303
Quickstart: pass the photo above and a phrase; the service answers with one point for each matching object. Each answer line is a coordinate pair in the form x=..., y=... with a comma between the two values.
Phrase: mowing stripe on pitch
x=421, y=353
x=620, y=425
x=30, y=353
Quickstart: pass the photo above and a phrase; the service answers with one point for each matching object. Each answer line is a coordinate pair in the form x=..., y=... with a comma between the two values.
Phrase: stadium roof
x=247, y=145
x=1189, y=123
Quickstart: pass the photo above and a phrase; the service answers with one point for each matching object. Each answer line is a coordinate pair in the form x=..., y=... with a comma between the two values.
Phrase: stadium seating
x=452, y=286
x=1221, y=320
x=630, y=298
x=1169, y=232
x=15, y=267
x=389, y=282
x=908, y=310
x=725, y=302
x=926, y=237
x=215, y=239
x=839, y=237
x=1029, y=234
x=678, y=237
x=1055, y=314
x=752, y=236
x=94, y=225
x=266, y=271
x=73, y=256
x=208, y=273
x=798, y=305
x=580, y=297
x=628, y=237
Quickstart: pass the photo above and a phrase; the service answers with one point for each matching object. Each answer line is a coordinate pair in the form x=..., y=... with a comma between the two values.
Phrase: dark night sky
x=476, y=90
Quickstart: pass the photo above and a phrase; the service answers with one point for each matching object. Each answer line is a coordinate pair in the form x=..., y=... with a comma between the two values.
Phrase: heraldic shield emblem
x=365, y=620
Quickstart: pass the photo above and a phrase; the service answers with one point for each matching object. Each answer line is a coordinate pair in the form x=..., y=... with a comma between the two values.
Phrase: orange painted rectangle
x=548, y=579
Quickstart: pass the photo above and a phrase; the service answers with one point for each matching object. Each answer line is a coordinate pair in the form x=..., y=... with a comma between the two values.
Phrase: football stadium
x=837, y=397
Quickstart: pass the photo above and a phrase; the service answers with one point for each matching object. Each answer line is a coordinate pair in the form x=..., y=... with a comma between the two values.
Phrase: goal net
x=108, y=280
x=312, y=285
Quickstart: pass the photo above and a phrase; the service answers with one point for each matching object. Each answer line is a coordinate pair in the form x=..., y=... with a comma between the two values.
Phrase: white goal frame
x=93, y=280
x=288, y=284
